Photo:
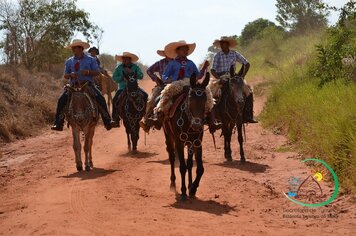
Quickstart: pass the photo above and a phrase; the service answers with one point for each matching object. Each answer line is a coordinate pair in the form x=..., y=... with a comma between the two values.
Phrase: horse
x=229, y=110
x=106, y=86
x=132, y=107
x=82, y=114
x=183, y=128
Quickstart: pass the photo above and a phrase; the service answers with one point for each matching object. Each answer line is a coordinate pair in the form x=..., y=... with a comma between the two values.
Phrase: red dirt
x=43, y=194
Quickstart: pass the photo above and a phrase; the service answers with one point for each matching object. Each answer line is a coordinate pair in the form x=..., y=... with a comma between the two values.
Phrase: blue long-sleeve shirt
x=173, y=68
x=85, y=63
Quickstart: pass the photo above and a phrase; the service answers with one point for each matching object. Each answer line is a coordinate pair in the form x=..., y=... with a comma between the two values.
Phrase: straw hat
x=78, y=42
x=232, y=42
x=161, y=53
x=170, y=49
x=133, y=57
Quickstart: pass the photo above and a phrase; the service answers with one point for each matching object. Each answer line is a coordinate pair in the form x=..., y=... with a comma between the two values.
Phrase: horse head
x=197, y=99
x=132, y=84
x=236, y=87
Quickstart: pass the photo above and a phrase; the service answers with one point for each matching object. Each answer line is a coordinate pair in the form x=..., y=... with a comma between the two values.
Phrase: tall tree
x=254, y=28
x=36, y=30
x=300, y=16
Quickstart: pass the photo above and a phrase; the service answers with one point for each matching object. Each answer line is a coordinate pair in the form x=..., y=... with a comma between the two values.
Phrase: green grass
x=321, y=122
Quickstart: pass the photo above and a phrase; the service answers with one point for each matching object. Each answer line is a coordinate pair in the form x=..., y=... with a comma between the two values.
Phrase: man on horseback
x=80, y=69
x=157, y=67
x=223, y=60
x=128, y=68
x=178, y=69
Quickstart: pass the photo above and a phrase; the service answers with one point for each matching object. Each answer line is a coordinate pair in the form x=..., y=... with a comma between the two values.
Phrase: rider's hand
x=74, y=75
x=206, y=64
x=84, y=72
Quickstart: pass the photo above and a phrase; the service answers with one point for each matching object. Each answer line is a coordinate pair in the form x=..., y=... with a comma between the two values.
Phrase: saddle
x=85, y=90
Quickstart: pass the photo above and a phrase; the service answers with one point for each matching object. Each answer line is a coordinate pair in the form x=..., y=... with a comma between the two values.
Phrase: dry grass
x=27, y=102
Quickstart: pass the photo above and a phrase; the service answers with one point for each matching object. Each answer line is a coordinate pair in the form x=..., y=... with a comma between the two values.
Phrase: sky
x=143, y=26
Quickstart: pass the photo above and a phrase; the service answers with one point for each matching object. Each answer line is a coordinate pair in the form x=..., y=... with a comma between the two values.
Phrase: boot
x=103, y=109
x=212, y=123
x=59, y=121
x=248, y=110
x=145, y=126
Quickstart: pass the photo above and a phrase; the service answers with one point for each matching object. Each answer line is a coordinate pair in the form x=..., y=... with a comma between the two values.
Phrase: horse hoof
x=243, y=161
x=87, y=168
x=134, y=151
x=91, y=164
x=172, y=187
x=229, y=159
x=183, y=198
x=79, y=168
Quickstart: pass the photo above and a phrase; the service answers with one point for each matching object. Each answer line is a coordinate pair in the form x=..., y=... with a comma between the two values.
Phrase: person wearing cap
x=157, y=67
x=94, y=52
x=179, y=68
x=129, y=68
x=222, y=62
x=81, y=68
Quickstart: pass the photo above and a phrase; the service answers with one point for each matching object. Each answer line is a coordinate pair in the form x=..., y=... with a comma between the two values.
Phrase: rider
x=157, y=67
x=81, y=68
x=221, y=65
x=179, y=68
x=129, y=68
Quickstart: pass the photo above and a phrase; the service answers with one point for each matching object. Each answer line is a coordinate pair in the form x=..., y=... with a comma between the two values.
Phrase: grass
x=320, y=122
x=27, y=102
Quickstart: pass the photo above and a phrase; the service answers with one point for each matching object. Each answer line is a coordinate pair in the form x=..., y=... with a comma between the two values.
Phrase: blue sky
x=142, y=26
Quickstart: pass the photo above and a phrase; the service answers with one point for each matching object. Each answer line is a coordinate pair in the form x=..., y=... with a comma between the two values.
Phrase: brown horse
x=107, y=86
x=229, y=110
x=82, y=115
x=185, y=128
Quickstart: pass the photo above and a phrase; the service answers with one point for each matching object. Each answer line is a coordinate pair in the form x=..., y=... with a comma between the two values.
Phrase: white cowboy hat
x=133, y=57
x=232, y=42
x=170, y=49
x=78, y=42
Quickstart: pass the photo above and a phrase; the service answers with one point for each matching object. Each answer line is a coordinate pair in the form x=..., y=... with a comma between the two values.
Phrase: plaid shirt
x=158, y=67
x=222, y=61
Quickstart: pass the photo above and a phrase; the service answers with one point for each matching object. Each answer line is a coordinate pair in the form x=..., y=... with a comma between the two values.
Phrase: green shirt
x=118, y=75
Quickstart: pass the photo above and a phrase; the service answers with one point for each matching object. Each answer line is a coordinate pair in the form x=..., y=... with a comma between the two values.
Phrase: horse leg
x=182, y=167
x=200, y=172
x=127, y=129
x=190, y=166
x=135, y=137
x=227, y=132
x=241, y=140
x=91, y=136
x=86, y=149
x=77, y=148
x=171, y=155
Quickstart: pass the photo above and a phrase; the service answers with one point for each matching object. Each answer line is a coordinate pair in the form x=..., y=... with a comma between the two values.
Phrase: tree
x=254, y=28
x=300, y=16
x=37, y=30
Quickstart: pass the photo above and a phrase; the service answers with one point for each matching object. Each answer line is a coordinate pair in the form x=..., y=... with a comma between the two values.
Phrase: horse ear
x=193, y=80
x=232, y=70
x=206, y=80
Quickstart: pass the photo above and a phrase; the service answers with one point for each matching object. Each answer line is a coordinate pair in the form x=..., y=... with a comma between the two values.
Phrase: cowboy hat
x=161, y=53
x=170, y=49
x=232, y=42
x=94, y=49
x=78, y=42
x=133, y=57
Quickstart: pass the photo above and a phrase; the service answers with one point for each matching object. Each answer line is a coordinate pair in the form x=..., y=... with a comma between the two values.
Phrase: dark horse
x=132, y=107
x=229, y=110
x=185, y=128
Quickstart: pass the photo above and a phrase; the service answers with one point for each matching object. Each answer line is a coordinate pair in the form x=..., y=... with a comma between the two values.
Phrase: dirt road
x=41, y=193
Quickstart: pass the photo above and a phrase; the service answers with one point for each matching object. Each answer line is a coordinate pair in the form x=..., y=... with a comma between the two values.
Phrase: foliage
x=301, y=16
x=37, y=30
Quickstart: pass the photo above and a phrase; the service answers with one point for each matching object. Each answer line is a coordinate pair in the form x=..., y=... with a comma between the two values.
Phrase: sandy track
x=42, y=194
